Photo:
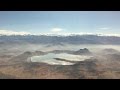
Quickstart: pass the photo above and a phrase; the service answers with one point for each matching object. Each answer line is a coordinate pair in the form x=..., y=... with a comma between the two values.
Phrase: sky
x=60, y=22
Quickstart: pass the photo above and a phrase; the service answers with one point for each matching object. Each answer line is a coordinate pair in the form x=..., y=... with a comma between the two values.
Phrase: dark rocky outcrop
x=84, y=51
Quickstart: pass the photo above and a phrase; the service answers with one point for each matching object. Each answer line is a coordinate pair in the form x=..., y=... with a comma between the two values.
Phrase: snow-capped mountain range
x=59, y=38
x=9, y=33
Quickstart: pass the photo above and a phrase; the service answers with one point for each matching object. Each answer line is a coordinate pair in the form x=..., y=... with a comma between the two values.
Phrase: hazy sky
x=35, y=22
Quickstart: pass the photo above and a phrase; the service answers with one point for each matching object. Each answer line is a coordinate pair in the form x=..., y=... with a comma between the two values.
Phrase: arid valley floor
x=103, y=62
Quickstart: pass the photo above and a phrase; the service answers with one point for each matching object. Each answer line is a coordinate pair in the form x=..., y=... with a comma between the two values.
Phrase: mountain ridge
x=65, y=34
x=56, y=40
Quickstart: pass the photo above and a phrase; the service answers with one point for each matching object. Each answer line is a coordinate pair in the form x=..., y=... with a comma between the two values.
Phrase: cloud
x=9, y=32
x=56, y=30
x=104, y=28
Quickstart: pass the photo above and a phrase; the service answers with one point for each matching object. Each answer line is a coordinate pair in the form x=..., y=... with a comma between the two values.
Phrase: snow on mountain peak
x=9, y=32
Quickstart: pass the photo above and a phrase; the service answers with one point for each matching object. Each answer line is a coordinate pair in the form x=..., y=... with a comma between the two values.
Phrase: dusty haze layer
x=63, y=63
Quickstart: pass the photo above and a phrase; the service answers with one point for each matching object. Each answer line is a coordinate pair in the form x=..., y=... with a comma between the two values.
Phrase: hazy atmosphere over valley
x=59, y=45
